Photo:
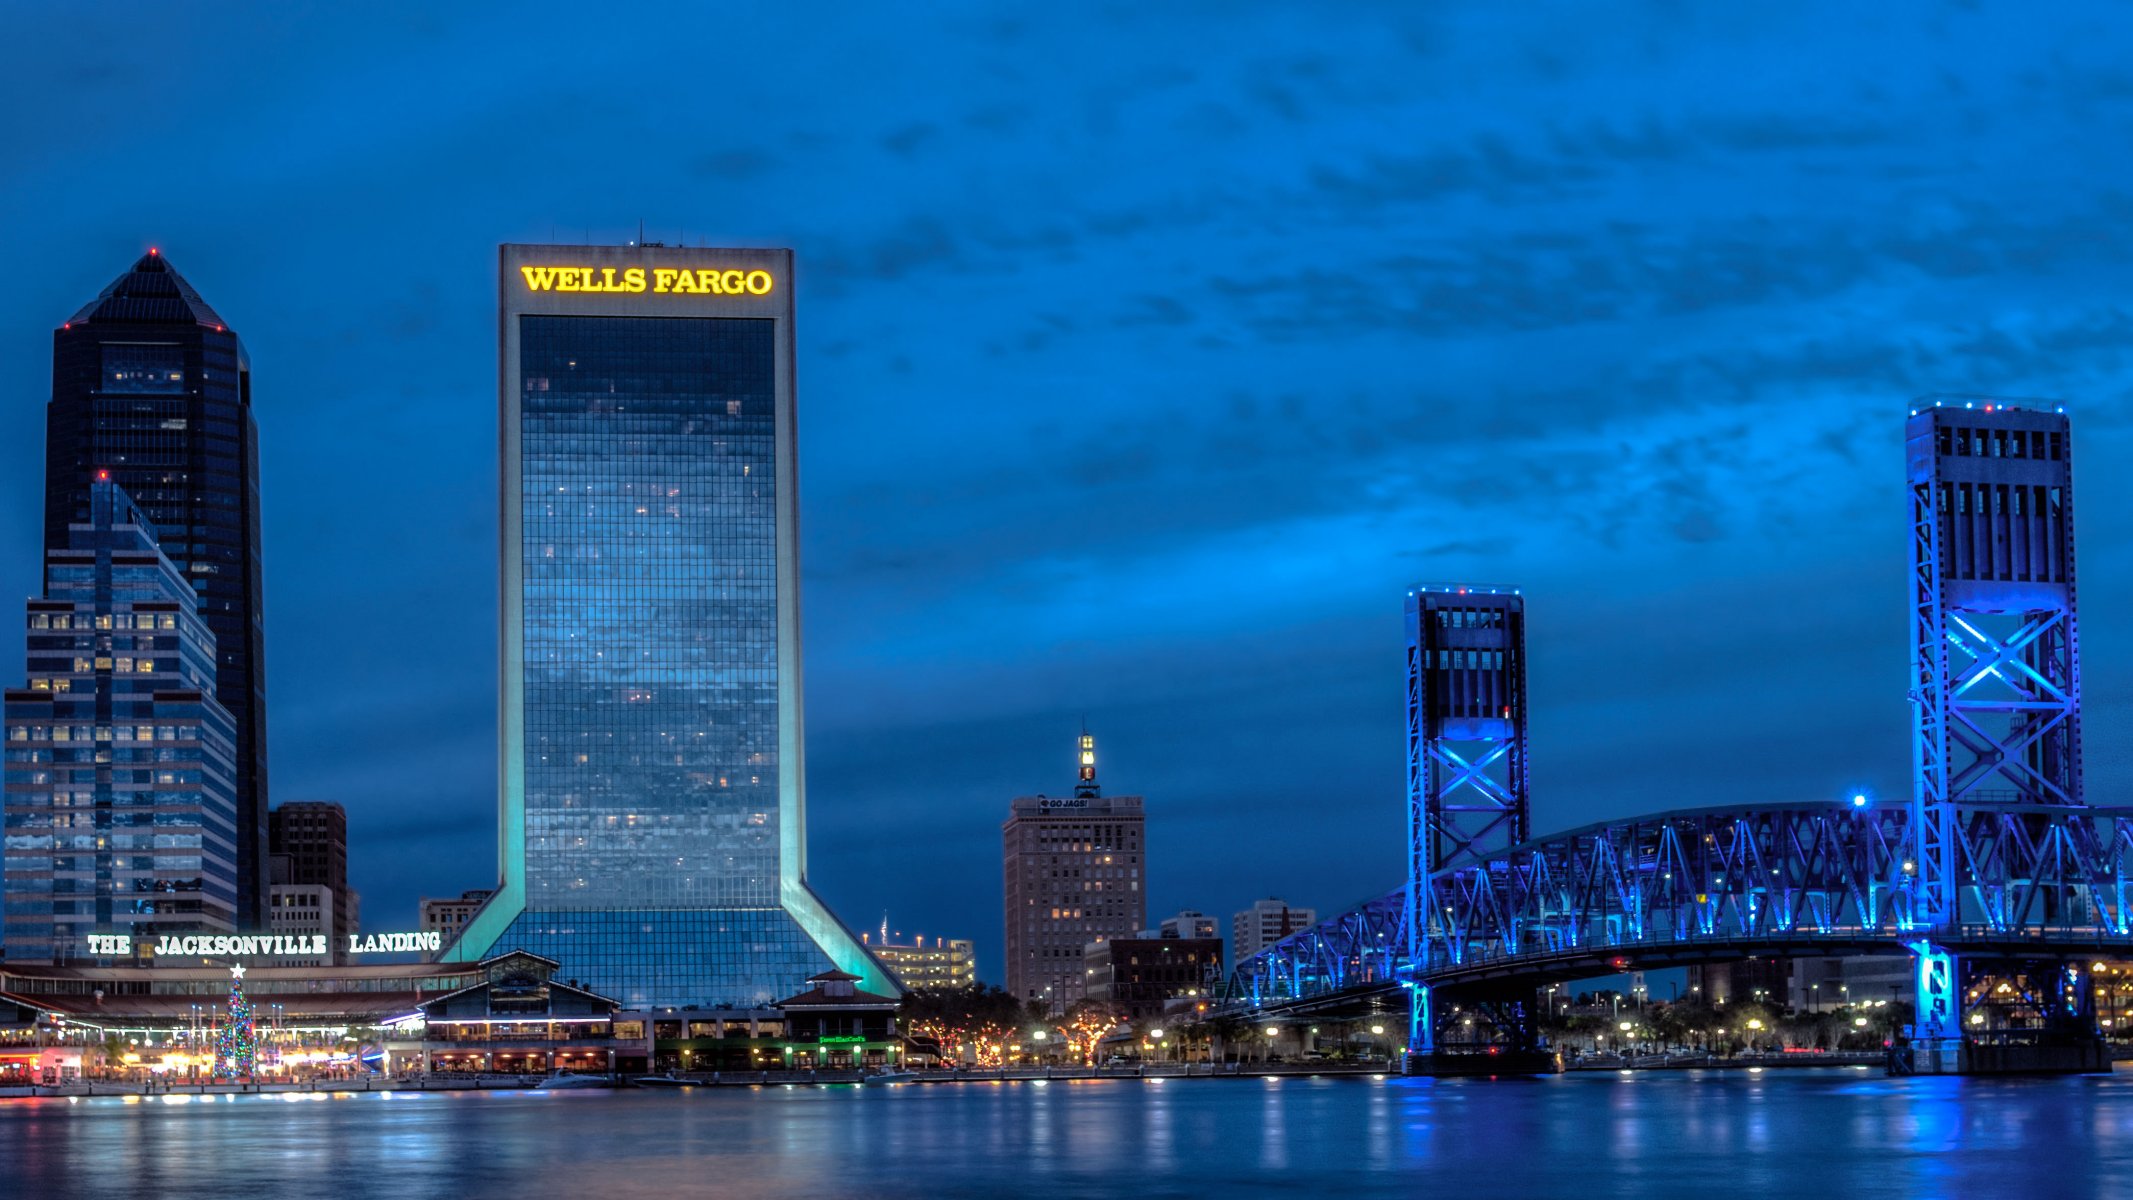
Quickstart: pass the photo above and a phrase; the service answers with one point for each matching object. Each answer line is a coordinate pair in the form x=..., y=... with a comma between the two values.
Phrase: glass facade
x=650, y=825
x=149, y=384
x=120, y=779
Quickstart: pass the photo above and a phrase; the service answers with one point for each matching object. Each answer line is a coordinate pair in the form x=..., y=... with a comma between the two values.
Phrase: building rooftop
x=152, y=293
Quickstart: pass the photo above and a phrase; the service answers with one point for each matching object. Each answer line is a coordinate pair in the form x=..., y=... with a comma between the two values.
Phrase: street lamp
x=1157, y=1034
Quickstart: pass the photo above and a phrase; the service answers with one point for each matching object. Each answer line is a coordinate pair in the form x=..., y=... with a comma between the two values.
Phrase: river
x=1826, y=1134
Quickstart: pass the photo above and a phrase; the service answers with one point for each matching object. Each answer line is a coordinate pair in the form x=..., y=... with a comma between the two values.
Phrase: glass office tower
x=121, y=794
x=652, y=810
x=150, y=384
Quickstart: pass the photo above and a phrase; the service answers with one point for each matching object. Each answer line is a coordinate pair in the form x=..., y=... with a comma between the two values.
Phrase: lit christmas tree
x=235, y=1044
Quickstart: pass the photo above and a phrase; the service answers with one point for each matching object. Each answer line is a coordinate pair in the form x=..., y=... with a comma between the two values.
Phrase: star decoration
x=237, y=971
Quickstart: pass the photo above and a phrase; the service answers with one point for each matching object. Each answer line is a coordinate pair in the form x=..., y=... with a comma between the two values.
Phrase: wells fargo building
x=652, y=806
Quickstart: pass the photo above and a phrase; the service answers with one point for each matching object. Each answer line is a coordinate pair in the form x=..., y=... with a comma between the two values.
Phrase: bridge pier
x=1512, y=1045
x=2067, y=1040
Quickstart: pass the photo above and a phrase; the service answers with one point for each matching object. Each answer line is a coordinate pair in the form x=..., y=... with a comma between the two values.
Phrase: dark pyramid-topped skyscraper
x=150, y=384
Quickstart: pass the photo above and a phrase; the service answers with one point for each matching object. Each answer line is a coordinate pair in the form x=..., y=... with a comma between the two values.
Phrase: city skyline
x=1537, y=407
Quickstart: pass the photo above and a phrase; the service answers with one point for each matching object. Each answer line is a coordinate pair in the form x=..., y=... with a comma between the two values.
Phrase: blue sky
x=1148, y=353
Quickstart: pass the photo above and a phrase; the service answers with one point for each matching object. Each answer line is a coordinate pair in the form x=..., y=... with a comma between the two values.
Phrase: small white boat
x=565, y=1079
x=884, y=1078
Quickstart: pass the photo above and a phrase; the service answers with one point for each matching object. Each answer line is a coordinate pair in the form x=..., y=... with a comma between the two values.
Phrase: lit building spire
x=1085, y=780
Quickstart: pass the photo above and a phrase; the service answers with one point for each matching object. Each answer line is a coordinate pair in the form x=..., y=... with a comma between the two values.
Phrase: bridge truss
x=1716, y=884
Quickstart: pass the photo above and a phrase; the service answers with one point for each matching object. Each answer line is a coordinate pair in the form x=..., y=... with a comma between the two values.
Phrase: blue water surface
x=1820, y=1133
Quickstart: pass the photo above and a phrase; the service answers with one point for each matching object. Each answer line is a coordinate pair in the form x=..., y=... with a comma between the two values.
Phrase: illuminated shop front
x=161, y=1021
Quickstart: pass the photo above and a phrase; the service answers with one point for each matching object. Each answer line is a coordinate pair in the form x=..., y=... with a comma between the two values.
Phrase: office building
x=1141, y=975
x=449, y=915
x=1263, y=924
x=312, y=837
x=652, y=802
x=1188, y=924
x=1074, y=875
x=927, y=966
x=306, y=910
x=151, y=385
x=121, y=794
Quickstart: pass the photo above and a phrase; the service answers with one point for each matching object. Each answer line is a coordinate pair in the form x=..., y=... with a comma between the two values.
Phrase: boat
x=884, y=1078
x=563, y=1080
x=670, y=1079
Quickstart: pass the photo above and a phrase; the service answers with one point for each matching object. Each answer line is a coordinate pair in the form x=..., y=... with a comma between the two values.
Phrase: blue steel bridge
x=1994, y=869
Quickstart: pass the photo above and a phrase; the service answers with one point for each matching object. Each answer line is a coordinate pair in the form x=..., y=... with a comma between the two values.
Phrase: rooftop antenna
x=640, y=231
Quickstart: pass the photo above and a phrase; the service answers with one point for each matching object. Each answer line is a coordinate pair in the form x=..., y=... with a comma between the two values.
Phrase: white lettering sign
x=110, y=945
x=395, y=943
x=242, y=945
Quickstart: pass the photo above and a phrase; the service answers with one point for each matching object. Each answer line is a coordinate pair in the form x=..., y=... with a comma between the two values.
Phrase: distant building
x=301, y=909
x=1189, y=924
x=1761, y=980
x=1263, y=924
x=449, y=916
x=923, y=967
x=1073, y=876
x=313, y=836
x=1142, y=974
x=121, y=789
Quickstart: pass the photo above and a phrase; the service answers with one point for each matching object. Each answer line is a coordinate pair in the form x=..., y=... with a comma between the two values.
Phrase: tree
x=238, y=1041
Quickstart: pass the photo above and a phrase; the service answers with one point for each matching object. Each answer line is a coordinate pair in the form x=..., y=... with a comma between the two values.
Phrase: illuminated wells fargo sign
x=670, y=281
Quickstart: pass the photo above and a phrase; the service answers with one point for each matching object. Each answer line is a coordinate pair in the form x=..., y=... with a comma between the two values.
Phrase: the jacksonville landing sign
x=279, y=945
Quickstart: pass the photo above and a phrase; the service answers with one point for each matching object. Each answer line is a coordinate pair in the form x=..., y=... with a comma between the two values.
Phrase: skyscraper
x=120, y=784
x=1074, y=875
x=652, y=805
x=151, y=385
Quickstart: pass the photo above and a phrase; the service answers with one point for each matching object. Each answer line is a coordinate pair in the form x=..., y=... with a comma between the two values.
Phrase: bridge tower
x=1466, y=744
x=1996, y=668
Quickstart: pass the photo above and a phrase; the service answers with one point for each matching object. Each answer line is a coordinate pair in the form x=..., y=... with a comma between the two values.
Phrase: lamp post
x=1157, y=1034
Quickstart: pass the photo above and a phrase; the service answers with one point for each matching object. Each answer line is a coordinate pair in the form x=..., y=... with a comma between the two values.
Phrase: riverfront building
x=652, y=806
x=121, y=767
x=152, y=386
x=1074, y=871
x=1264, y=923
x=308, y=840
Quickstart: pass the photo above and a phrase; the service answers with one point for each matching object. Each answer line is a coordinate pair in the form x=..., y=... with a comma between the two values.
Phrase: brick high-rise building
x=1075, y=874
x=313, y=835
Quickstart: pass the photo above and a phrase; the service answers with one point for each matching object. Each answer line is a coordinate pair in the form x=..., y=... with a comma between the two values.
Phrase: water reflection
x=1699, y=1134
